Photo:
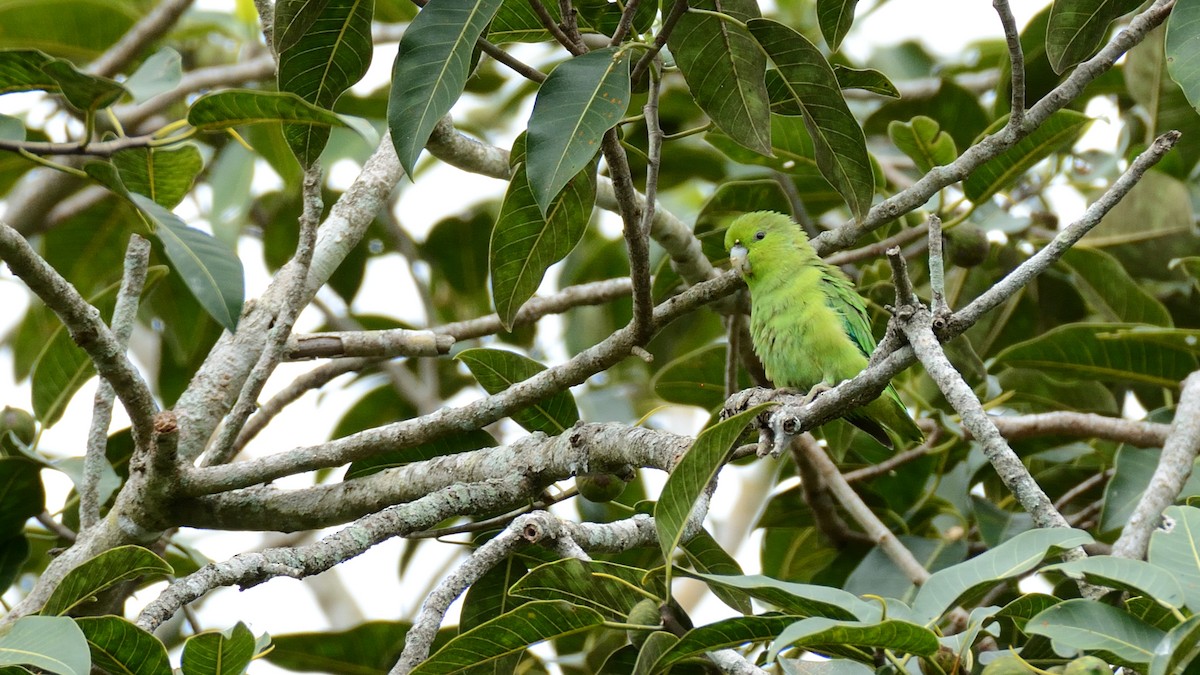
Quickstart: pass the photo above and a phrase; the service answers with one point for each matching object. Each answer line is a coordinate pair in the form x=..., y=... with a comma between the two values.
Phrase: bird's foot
x=817, y=389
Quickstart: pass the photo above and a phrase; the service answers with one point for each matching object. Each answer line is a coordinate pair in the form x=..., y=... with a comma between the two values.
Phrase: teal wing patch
x=842, y=298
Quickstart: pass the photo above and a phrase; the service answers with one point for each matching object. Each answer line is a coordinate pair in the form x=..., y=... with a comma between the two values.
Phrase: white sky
x=945, y=26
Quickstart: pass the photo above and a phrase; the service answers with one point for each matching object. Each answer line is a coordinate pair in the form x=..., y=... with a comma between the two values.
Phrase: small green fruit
x=18, y=423
x=599, y=487
x=1087, y=665
x=946, y=659
x=1007, y=665
x=645, y=613
x=966, y=245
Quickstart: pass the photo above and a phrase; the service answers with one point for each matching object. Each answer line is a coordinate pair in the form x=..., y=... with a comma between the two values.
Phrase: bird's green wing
x=842, y=298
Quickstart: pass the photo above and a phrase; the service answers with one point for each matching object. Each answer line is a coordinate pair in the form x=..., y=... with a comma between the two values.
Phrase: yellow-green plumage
x=808, y=324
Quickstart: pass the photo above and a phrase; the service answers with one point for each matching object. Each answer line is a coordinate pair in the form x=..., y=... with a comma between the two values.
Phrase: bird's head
x=757, y=240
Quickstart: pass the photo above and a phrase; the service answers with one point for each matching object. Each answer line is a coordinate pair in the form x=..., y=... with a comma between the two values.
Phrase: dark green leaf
x=99, y=25
x=1087, y=625
x=81, y=584
x=841, y=148
x=601, y=586
x=21, y=494
x=1077, y=27
x=1059, y=130
x=21, y=70
x=1136, y=576
x=1012, y=558
x=899, y=637
x=226, y=652
x=517, y=22
x=498, y=369
x=867, y=79
x=431, y=70
x=581, y=100
x=1150, y=79
x=724, y=70
x=923, y=140
x=657, y=643
x=1110, y=290
x=695, y=379
x=525, y=244
x=795, y=599
x=366, y=649
x=83, y=91
x=489, y=597
x=835, y=18
x=14, y=552
x=164, y=175
x=1079, y=351
x=707, y=557
x=722, y=634
x=692, y=473
x=324, y=47
x=51, y=643
x=509, y=634
x=119, y=646
x=236, y=107
x=1177, y=651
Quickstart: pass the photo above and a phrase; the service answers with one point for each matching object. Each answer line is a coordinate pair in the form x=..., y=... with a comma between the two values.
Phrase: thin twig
x=137, y=257
x=937, y=268
x=678, y=9
x=631, y=7
x=1016, y=59
x=551, y=25
x=1085, y=425
x=636, y=238
x=1070, y=495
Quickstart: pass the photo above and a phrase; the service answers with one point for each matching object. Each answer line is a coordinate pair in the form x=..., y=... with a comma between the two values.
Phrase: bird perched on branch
x=808, y=324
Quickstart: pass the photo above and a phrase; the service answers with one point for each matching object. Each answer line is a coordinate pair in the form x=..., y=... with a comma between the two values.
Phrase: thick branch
x=1083, y=425
x=367, y=343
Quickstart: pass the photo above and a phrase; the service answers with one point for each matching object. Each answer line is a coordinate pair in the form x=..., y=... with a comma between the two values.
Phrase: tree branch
x=1085, y=425
x=1016, y=59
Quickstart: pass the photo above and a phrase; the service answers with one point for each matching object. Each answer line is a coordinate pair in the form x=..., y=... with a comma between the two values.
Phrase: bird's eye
x=758, y=236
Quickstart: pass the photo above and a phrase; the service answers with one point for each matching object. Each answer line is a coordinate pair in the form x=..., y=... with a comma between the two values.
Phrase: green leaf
x=1183, y=57
x=877, y=574
x=438, y=447
x=1136, y=576
x=1190, y=266
x=867, y=79
x=83, y=91
x=21, y=70
x=793, y=598
x=601, y=586
x=498, y=369
x=922, y=139
x=707, y=557
x=235, y=107
x=840, y=146
x=86, y=27
x=21, y=494
x=581, y=100
x=226, y=652
x=164, y=175
x=53, y=644
x=1110, y=290
x=695, y=379
x=368, y=648
x=525, y=244
x=82, y=584
x=489, y=597
x=14, y=553
x=1132, y=469
x=1058, y=131
x=724, y=70
x=509, y=633
x=1177, y=651
x=835, y=18
x=1012, y=558
x=823, y=634
x=62, y=367
x=1177, y=549
x=657, y=644
x=324, y=47
x=161, y=72
x=1079, y=351
x=118, y=646
x=722, y=634
x=1086, y=625
x=1077, y=27
x=517, y=22
x=431, y=70
x=692, y=474
x=1167, y=103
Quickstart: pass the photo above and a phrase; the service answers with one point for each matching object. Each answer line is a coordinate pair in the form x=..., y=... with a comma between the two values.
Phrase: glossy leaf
x=82, y=90
x=324, y=47
x=164, y=175
x=900, y=637
x=693, y=473
x=793, y=598
x=1078, y=351
x=53, y=644
x=517, y=22
x=525, y=243
x=707, y=557
x=722, y=634
x=1087, y=625
x=867, y=79
x=922, y=139
x=236, y=107
x=600, y=586
x=841, y=148
x=1175, y=550
x=1136, y=576
x=21, y=70
x=119, y=646
x=1110, y=290
x=82, y=584
x=1058, y=131
x=1077, y=28
x=226, y=652
x=21, y=494
x=1012, y=558
x=835, y=18
x=370, y=647
x=498, y=369
x=581, y=100
x=657, y=644
x=724, y=70
x=489, y=597
x=1177, y=651
x=431, y=70
x=509, y=633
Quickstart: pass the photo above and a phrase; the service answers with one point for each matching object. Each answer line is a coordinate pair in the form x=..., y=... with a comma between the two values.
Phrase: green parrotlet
x=808, y=324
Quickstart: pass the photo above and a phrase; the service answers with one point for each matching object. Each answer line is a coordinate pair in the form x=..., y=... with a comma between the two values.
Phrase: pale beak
x=737, y=258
